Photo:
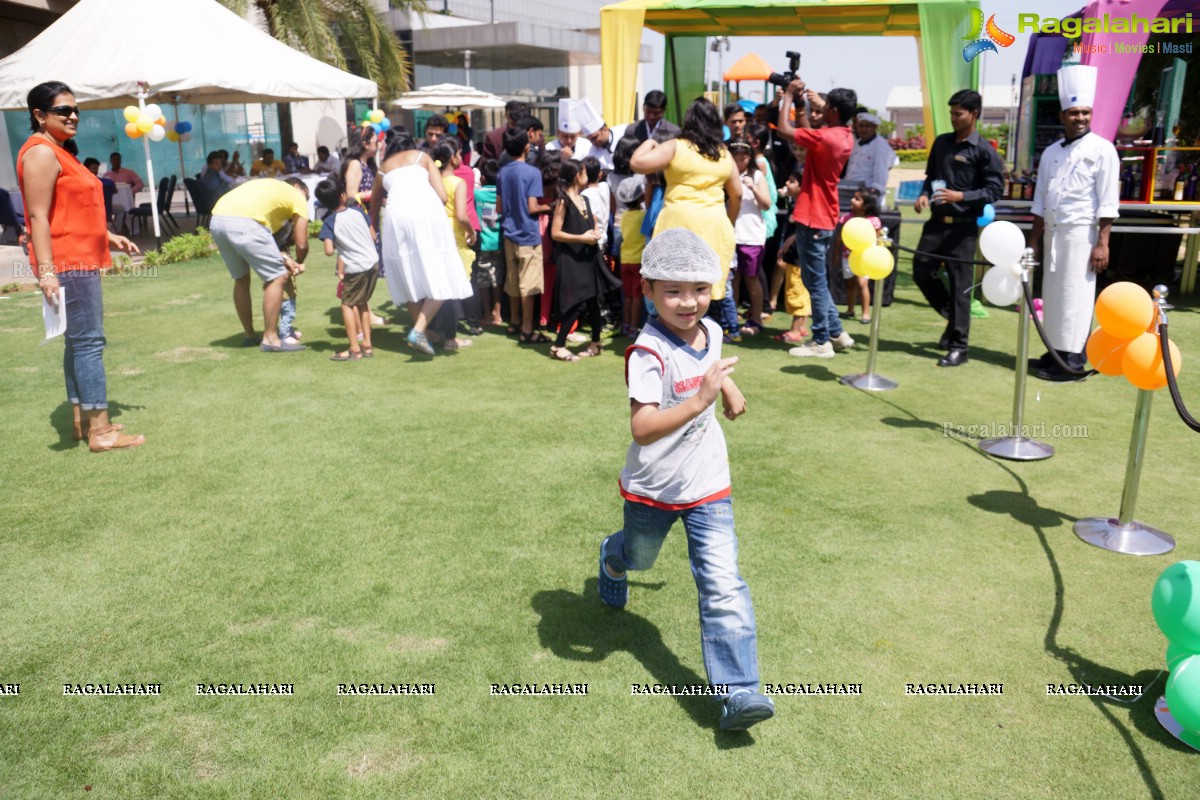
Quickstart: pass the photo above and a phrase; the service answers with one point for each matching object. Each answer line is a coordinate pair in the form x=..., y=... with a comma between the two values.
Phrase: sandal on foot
x=81, y=433
x=417, y=341
x=347, y=355
x=458, y=344
x=594, y=349
x=513, y=330
x=613, y=591
x=789, y=338
x=103, y=439
x=368, y=352
x=535, y=337
x=563, y=354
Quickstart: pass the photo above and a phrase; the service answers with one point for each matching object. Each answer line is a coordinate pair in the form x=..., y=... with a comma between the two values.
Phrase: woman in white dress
x=420, y=256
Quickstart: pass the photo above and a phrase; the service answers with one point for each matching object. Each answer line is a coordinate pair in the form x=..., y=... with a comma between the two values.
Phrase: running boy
x=677, y=466
x=348, y=233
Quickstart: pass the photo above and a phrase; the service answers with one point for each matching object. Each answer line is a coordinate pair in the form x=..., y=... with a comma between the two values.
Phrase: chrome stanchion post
x=1018, y=447
x=1125, y=534
x=869, y=380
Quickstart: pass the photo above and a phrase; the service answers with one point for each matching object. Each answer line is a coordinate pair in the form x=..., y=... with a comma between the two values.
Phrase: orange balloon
x=1143, y=363
x=1124, y=310
x=1105, y=352
x=132, y=130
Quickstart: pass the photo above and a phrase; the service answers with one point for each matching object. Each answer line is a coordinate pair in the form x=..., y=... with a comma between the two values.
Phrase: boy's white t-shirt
x=690, y=465
x=601, y=201
x=351, y=235
x=750, y=227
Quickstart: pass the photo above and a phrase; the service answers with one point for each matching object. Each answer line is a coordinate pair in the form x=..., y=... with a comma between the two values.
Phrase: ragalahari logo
x=980, y=37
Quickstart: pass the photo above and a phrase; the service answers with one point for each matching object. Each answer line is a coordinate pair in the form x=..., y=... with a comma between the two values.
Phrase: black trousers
x=955, y=241
x=572, y=316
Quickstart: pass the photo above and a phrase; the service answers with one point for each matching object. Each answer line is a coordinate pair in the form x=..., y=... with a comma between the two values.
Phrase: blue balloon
x=187, y=127
x=179, y=128
x=725, y=132
x=385, y=124
x=988, y=215
x=453, y=129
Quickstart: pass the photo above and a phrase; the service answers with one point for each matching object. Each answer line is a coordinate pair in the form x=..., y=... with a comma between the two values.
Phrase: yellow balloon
x=377, y=116
x=877, y=262
x=855, y=262
x=858, y=234
x=132, y=113
x=172, y=136
x=145, y=124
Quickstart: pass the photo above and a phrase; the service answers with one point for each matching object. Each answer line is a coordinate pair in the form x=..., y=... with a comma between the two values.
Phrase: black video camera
x=783, y=79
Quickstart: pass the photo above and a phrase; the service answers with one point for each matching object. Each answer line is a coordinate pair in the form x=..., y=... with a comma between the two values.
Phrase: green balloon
x=1183, y=695
x=1190, y=739
x=1175, y=602
x=1175, y=654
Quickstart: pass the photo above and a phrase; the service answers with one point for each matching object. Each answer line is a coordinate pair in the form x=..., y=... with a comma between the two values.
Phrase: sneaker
x=417, y=341
x=578, y=337
x=843, y=341
x=812, y=350
x=613, y=591
x=745, y=708
x=731, y=338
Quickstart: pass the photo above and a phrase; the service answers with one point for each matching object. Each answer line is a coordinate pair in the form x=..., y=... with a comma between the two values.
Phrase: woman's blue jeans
x=728, y=636
x=83, y=356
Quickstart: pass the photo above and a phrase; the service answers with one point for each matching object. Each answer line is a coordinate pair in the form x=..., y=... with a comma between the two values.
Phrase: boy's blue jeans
x=287, y=316
x=724, y=311
x=812, y=248
x=728, y=636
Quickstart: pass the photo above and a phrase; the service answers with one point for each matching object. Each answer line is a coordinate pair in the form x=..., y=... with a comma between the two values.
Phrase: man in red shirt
x=816, y=213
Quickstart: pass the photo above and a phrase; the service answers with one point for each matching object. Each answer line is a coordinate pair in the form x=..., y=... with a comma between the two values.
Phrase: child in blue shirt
x=519, y=202
x=348, y=233
x=488, y=272
x=678, y=467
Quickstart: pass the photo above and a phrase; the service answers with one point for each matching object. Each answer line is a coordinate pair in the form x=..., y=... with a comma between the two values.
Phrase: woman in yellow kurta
x=704, y=191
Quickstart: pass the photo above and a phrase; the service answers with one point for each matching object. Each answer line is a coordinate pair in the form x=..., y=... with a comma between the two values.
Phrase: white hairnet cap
x=678, y=254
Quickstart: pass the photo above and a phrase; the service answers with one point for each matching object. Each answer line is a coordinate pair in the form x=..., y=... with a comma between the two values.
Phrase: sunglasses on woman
x=64, y=111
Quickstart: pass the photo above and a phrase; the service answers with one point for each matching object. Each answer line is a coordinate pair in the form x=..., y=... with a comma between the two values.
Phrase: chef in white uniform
x=568, y=139
x=1073, y=209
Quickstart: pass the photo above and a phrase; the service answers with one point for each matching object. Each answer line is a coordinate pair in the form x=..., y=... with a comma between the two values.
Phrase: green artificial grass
x=406, y=520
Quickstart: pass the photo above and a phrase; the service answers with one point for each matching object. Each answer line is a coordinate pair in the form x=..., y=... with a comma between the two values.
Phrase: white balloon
x=157, y=133
x=1002, y=243
x=153, y=111
x=1017, y=269
x=1001, y=287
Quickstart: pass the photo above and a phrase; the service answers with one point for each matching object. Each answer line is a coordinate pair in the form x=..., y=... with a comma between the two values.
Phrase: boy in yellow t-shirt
x=631, y=194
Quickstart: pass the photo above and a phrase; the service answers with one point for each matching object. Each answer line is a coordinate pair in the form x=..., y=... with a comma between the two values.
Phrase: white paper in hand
x=55, y=318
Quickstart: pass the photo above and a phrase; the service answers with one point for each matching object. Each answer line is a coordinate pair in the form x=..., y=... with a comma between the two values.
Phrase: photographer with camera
x=816, y=213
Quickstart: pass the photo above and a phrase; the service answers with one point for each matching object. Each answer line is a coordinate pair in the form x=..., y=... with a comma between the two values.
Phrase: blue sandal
x=613, y=591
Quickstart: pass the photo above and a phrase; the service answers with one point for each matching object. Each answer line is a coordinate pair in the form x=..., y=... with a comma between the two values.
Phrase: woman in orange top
x=69, y=242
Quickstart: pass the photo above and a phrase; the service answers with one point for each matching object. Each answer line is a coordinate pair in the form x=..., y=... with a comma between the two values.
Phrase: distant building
x=905, y=107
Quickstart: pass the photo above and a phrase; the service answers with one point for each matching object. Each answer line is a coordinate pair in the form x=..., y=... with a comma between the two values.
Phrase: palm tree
x=350, y=34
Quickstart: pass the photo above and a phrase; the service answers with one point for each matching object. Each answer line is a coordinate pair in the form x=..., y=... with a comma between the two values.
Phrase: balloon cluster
x=376, y=119
x=868, y=258
x=1003, y=244
x=180, y=132
x=1175, y=603
x=1125, y=343
x=148, y=122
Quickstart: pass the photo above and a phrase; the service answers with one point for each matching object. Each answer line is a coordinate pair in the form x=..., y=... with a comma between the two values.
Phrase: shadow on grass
x=579, y=627
x=62, y=419
x=1024, y=509
x=817, y=372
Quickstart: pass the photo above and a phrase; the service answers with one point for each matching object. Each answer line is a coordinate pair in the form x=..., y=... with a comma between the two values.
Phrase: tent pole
x=151, y=185
x=187, y=208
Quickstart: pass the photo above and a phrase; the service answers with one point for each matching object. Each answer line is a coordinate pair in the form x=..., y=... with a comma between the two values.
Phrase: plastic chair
x=166, y=192
x=201, y=200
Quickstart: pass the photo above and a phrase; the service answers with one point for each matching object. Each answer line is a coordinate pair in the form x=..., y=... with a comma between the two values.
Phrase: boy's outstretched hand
x=714, y=379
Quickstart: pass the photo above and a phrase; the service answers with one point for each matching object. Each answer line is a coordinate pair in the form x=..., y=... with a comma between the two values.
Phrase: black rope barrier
x=1037, y=323
x=1172, y=384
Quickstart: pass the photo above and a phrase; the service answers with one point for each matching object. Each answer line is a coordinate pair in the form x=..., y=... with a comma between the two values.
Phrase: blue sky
x=869, y=65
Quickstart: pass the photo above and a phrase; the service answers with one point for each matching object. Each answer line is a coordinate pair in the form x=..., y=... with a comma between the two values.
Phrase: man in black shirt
x=970, y=175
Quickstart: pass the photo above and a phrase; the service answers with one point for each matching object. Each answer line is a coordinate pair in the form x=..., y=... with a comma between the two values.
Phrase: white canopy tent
x=115, y=53
x=447, y=95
